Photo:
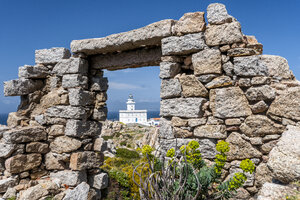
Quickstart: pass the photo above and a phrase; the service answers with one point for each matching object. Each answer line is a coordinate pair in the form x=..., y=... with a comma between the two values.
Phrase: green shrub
x=107, y=137
x=123, y=143
x=126, y=153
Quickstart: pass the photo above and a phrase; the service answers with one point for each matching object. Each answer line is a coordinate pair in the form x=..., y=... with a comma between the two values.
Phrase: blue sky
x=36, y=24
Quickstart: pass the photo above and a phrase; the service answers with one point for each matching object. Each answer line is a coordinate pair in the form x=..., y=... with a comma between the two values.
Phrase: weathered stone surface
x=182, y=133
x=262, y=175
x=232, y=122
x=165, y=129
x=168, y=69
x=221, y=81
x=178, y=122
x=191, y=87
x=207, y=61
x=272, y=191
x=127, y=59
x=32, y=72
x=79, y=97
x=80, y=192
x=206, y=78
x=22, y=163
x=86, y=160
x=53, y=162
x=37, y=147
x=278, y=66
x=150, y=35
x=236, y=169
x=64, y=144
x=182, y=107
x=190, y=23
x=284, y=159
x=240, y=149
x=196, y=122
x=74, y=80
x=10, y=193
x=69, y=112
x=260, y=125
x=228, y=103
x=100, y=145
x=6, y=149
x=264, y=92
x=78, y=128
x=20, y=87
x=7, y=183
x=70, y=178
x=259, y=107
x=217, y=14
x=235, y=52
x=267, y=147
x=15, y=119
x=223, y=34
x=228, y=67
x=244, y=82
x=100, y=114
x=211, y=131
x=99, y=84
x=250, y=66
x=71, y=66
x=182, y=45
x=51, y=56
x=57, y=130
x=260, y=80
x=25, y=134
x=99, y=181
x=34, y=193
x=170, y=88
x=287, y=104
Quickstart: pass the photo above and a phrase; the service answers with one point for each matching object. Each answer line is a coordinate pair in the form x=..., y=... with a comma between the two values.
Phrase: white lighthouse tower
x=131, y=115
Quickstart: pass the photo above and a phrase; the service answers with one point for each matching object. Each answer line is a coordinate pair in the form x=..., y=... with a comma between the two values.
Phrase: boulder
x=278, y=66
x=211, y=131
x=168, y=70
x=272, y=191
x=71, y=66
x=64, y=144
x=190, y=23
x=7, y=183
x=78, y=128
x=22, y=163
x=264, y=92
x=20, y=87
x=183, y=45
x=99, y=181
x=81, y=192
x=33, y=72
x=51, y=56
x=250, y=66
x=68, y=177
x=229, y=103
x=69, y=112
x=25, y=134
x=86, y=160
x=170, y=88
x=284, y=159
x=74, y=80
x=191, y=87
x=207, y=61
x=217, y=14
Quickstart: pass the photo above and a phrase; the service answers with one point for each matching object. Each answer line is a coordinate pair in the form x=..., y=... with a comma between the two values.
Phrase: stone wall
x=215, y=84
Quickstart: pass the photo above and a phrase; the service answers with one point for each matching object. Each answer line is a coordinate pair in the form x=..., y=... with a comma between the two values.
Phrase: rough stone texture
x=221, y=81
x=53, y=162
x=229, y=102
x=278, y=66
x=34, y=193
x=32, y=72
x=74, y=80
x=264, y=92
x=271, y=191
x=99, y=84
x=7, y=183
x=99, y=181
x=71, y=66
x=37, y=147
x=100, y=114
x=250, y=66
x=178, y=122
x=223, y=34
x=244, y=82
x=262, y=175
x=240, y=149
x=64, y=144
x=217, y=14
x=170, y=88
x=211, y=131
x=22, y=163
x=20, y=87
x=260, y=125
x=150, y=35
x=165, y=129
x=78, y=128
x=26, y=134
x=190, y=23
x=168, y=69
x=100, y=145
x=182, y=45
x=10, y=193
x=284, y=159
x=242, y=52
x=196, y=122
x=80, y=192
x=259, y=107
x=287, y=104
x=70, y=178
x=56, y=130
x=182, y=107
x=79, y=97
x=6, y=149
x=127, y=59
x=86, y=160
x=182, y=133
x=191, y=87
x=207, y=61
x=51, y=56
x=69, y=112
x=15, y=119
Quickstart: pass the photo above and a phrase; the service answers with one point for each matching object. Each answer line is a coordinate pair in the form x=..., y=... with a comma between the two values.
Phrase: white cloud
x=123, y=86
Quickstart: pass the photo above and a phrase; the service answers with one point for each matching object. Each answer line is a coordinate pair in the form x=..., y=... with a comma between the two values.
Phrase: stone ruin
x=215, y=84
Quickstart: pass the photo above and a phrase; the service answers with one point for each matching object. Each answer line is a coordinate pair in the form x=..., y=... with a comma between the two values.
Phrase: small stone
x=20, y=87
x=100, y=145
x=74, y=80
x=214, y=121
x=228, y=68
x=7, y=183
x=182, y=133
x=259, y=93
x=232, y=122
x=217, y=14
x=6, y=149
x=22, y=163
x=191, y=87
x=166, y=129
x=211, y=131
x=267, y=147
x=207, y=61
x=57, y=130
x=25, y=134
x=53, y=163
x=168, y=70
x=79, y=97
x=170, y=88
x=224, y=48
x=244, y=82
x=78, y=128
x=99, y=181
x=259, y=107
x=183, y=45
x=69, y=112
x=228, y=33
x=99, y=84
x=69, y=178
x=196, y=122
x=54, y=82
x=71, y=66
x=51, y=56
x=206, y=78
x=278, y=66
x=37, y=147
x=64, y=144
x=177, y=122
x=262, y=175
x=250, y=66
x=86, y=160
x=260, y=80
x=236, y=52
x=33, y=72
x=253, y=43
x=221, y=81
x=190, y=23
x=80, y=192
x=270, y=137
x=172, y=59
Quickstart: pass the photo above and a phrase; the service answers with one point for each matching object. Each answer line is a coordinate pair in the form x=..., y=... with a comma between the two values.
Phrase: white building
x=131, y=115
